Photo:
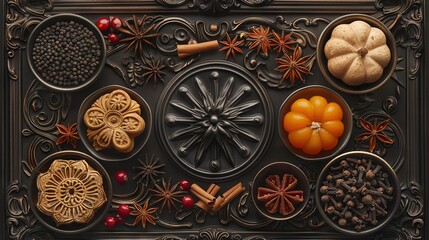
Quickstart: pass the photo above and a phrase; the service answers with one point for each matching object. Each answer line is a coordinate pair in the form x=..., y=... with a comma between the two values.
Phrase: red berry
x=103, y=24
x=124, y=210
x=113, y=38
x=119, y=219
x=188, y=202
x=185, y=185
x=115, y=23
x=121, y=177
x=110, y=222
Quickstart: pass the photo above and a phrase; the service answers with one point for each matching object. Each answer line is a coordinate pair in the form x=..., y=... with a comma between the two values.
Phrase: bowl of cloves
x=280, y=191
x=357, y=193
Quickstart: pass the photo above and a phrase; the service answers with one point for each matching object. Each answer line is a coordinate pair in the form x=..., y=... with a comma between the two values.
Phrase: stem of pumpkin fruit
x=316, y=125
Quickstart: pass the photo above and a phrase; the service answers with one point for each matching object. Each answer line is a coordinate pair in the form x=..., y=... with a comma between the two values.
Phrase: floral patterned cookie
x=113, y=121
x=70, y=191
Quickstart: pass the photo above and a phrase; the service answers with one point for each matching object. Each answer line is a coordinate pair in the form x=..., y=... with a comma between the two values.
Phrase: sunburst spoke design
x=216, y=120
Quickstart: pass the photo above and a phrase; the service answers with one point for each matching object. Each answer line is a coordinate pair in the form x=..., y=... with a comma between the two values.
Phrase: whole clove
x=356, y=193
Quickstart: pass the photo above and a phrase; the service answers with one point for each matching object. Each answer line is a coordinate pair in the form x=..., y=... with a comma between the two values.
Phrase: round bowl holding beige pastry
x=69, y=192
x=356, y=53
x=114, y=123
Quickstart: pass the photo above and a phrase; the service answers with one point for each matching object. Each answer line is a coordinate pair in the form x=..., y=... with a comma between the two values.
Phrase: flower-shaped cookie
x=113, y=121
x=70, y=191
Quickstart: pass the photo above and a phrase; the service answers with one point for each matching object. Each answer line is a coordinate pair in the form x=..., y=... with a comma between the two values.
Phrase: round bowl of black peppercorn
x=66, y=52
x=357, y=193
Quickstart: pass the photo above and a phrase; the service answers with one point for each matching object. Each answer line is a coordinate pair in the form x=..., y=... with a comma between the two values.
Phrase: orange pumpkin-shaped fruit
x=314, y=125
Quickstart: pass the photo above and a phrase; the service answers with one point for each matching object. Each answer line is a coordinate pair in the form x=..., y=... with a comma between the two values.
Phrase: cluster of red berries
x=110, y=25
x=187, y=201
x=123, y=211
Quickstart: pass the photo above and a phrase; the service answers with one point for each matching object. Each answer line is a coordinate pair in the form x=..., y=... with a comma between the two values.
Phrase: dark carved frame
x=19, y=15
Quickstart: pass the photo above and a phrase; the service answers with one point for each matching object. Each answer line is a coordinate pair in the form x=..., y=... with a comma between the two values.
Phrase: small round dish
x=323, y=62
x=392, y=205
x=64, y=18
x=331, y=96
x=280, y=168
x=111, y=154
x=48, y=221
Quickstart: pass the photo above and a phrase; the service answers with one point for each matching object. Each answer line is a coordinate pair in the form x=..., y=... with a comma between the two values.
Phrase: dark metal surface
x=31, y=112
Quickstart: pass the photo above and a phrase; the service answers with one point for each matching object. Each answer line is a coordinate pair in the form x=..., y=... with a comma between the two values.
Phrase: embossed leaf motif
x=70, y=191
x=374, y=132
x=114, y=120
x=216, y=119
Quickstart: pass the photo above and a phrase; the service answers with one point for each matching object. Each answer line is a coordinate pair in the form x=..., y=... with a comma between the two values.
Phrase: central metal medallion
x=215, y=120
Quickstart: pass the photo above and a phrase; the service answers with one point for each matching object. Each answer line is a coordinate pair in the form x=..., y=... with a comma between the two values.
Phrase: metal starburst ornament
x=231, y=46
x=259, y=39
x=149, y=169
x=294, y=66
x=169, y=196
x=283, y=43
x=216, y=119
x=138, y=34
x=143, y=214
x=153, y=70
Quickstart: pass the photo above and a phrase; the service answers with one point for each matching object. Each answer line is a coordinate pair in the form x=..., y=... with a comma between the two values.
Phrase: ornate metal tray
x=30, y=111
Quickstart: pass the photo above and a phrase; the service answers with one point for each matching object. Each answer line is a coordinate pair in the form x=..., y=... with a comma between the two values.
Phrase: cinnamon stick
x=227, y=197
x=205, y=200
x=197, y=189
x=212, y=190
x=186, y=50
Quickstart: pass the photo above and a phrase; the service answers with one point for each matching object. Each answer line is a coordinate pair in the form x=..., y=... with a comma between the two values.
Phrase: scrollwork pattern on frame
x=20, y=221
x=406, y=22
x=43, y=109
x=214, y=6
x=20, y=18
x=408, y=222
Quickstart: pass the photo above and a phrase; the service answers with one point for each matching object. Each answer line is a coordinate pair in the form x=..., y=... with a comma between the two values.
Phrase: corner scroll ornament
x=406, y=22
x=214, y=6
x=22, y=224
x=20, y=19
x=408, y=222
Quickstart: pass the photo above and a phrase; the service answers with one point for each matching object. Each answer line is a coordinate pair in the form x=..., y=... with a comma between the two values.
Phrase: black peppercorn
x=65, y=49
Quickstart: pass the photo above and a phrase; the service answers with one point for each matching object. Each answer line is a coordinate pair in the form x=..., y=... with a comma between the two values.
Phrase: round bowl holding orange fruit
x=315, y=123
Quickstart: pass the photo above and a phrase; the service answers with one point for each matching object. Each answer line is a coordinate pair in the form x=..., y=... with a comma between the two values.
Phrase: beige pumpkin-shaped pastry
x=357, y=53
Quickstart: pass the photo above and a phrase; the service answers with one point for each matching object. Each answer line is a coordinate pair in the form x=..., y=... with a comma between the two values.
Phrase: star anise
x=153, y=70
x=259, y=38
x=68, y=134
x=143, y=214
x=232, y=46
x=374, y=132
x=138, y=34
x=149, y=169
x=293, y=66
x=280, y=196
x=282, y=43
x=167, y=195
